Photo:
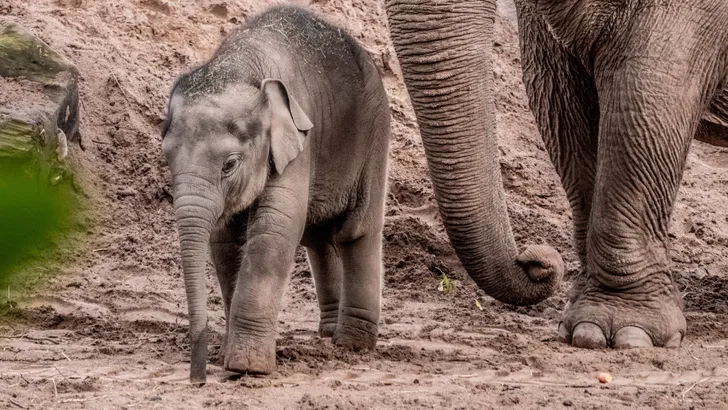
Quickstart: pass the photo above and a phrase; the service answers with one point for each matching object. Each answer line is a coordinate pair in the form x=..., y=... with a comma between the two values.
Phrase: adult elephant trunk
x=195, y=217
x=444, y=48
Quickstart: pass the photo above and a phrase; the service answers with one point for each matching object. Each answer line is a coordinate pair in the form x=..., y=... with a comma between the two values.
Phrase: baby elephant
x=281, y=138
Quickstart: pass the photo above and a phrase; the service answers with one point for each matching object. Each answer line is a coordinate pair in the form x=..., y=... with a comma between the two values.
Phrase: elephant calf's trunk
x=444, y=49
x=194, y=235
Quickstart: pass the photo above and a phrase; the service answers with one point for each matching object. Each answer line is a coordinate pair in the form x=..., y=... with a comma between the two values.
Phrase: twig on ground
x=59, y=372
x=159, y=355
x=55, y=388
x=64, y=355
x=690, y=353
x=24, y=379
x=16, y=404
x=118, y=84
x=693, y=386
x=134, y=404
x=82, y=400
x=34, y=339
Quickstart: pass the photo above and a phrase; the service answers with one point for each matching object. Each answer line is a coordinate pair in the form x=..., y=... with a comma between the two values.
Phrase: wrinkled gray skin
x=618, y=90
x=282, y=138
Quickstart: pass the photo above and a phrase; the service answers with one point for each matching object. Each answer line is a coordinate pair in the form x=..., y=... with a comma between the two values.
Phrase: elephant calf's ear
x=288, y=124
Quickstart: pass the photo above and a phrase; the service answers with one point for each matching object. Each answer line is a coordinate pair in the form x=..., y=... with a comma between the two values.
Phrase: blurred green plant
x=33, y=212
x=446, y=285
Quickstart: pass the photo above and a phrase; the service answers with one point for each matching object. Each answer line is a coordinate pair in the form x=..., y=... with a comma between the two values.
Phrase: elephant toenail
x=632, y=337
x=589, y=336
x=674, y=341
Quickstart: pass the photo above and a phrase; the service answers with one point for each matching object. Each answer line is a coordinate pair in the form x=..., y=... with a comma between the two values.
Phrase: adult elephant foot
x=598, y=318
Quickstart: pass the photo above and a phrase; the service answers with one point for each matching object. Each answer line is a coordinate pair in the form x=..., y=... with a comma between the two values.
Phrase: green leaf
x=446, y=285
x=31, y=211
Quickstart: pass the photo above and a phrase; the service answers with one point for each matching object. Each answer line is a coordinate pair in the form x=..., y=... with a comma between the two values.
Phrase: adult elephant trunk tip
x=542, y=263
x=444, y=49
x=524, y=278
x=545, y=269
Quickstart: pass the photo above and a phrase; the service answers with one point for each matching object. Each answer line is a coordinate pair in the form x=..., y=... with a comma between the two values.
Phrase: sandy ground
x=110, y=332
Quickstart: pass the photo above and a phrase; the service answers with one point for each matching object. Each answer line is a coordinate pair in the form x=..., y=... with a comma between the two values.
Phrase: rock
x=604, y=378
x=38, y=97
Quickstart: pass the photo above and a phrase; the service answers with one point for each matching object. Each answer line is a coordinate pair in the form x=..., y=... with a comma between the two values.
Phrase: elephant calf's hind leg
x=359, y=307
x=327, y=270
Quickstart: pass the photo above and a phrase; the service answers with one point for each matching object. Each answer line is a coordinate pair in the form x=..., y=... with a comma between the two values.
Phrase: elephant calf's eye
x=230, y=166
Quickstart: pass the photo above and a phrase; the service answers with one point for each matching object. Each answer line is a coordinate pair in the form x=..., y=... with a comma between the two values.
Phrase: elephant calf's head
x=222, y=143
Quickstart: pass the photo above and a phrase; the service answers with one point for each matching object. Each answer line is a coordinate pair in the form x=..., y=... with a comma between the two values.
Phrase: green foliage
x=32, y=214
x=447, y=286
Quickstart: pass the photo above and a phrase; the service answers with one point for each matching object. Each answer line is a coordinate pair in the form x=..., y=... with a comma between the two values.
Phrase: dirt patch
x=111, y=331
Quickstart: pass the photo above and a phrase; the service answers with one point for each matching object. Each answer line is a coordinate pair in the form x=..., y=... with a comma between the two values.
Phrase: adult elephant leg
x=653, y=90
x=226, y=244
x=444, y=48
x=563, y=98
x=327, y=270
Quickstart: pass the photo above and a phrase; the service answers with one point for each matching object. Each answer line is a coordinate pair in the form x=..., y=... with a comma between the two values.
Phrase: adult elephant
x=618, y=89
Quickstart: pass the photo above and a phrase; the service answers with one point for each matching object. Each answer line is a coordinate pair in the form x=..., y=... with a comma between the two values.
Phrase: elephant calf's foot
x=251, y=357
x=327, y=329
x=329, y=319
x=356, y=334
x=598, y=318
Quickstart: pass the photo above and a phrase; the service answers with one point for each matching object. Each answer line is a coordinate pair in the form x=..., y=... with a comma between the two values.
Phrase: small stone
x=604, y=378
x=568, y=403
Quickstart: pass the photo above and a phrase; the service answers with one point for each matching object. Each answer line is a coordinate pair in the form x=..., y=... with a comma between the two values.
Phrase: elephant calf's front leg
x=268, y=258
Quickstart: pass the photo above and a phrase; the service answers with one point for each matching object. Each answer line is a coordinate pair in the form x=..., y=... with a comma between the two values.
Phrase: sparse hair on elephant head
x=233, y=137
